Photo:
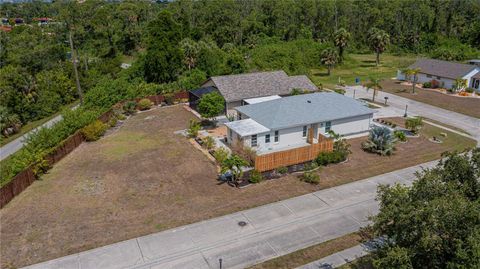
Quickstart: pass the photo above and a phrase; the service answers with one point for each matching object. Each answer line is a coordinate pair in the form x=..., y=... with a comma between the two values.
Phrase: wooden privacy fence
x=267, y=162
x=26, y=177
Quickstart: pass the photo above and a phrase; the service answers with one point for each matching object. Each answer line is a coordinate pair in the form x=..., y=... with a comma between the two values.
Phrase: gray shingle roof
x=304, y=109
x=243, y=86
x=442, y=68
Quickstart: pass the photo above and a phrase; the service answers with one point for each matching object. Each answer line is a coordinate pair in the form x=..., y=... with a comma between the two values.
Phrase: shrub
x=94, y=130
x=380, y=141
x=129, y=107
x=169, y=98
x=399, y=135
x=470, y=90
x=282, y=170
x=121, y=117
x=193, y=128
x=310, y=166
x=434, y=84
x=255, y=176
x=246, y=153
x=310, y=177
x=145, y=104
x=220, y=154
x=113, y=122
x=325, y=158
x=414, y=124
x=427, y=85
x=340, y=91
x=209, y=142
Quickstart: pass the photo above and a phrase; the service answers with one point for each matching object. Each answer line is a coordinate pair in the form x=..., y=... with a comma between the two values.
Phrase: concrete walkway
x=270, y=231
x=397, y=106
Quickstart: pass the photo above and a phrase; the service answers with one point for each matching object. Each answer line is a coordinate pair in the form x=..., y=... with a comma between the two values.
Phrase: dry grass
x=464, y=105
x=143, y=178
x=313, y=253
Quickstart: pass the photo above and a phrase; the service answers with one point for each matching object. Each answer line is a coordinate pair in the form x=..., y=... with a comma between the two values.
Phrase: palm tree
x=460, y=84
x=380, y=141
x=412, y=74
x=190, y=52
x=374, y=84
x=378, y=40
x=329, y=58
x=341, y=38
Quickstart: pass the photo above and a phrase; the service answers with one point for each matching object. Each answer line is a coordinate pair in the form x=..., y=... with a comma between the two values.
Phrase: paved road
x=398, y=103
x=18, y=143
x=340, y=258
x=272, y=230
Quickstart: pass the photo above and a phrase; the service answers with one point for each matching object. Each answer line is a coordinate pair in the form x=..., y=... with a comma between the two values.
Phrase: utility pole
x=74, y=61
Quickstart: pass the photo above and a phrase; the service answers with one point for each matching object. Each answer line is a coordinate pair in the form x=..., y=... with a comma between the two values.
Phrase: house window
x=276, y=138
x=254, y=141
x=429, y=76
x=239, y=116
x=304, y=132
x=267, y=138
x=439, y=77
x=328, y=126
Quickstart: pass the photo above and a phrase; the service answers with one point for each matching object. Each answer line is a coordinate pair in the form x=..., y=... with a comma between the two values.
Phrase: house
x=241, y=89
x=297, y=121
x=445, y=73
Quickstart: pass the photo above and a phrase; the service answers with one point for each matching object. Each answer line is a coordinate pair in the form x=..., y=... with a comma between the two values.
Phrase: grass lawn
x=143, y=178
x=465, y=105
x=363, y=67
x=32, y=125
x=313, y=253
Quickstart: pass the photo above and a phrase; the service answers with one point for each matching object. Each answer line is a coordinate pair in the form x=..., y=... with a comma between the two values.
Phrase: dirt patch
x=143, y=178
x=467, y=106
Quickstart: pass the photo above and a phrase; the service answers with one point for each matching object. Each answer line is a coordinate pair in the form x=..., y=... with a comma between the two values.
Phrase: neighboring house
x=241, y=89
x=445, y=73
x=297, y=121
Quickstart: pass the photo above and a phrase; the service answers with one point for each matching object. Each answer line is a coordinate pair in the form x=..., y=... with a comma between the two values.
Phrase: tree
x=163, y=59
x=374, y=83
x=412, y=74
x=434, y=223
x=460, y=84
x=9, y=123
x=211, y=105
x=190, y=50
x=380, y=141
x=340, y=39
x=234, y=164
x=329, y=58
x=378, y=41
x=414, y=124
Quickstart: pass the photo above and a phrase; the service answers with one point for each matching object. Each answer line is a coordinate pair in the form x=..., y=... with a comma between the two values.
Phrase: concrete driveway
x=397, y=106
x=270, y=231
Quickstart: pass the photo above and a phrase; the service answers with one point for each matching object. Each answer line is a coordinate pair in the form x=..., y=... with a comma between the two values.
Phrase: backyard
x=142, y=178
x=465, y=105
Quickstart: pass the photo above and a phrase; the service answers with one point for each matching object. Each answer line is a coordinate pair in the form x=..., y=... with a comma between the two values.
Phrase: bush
x=129, y=108
x=113, y=122
x=310, y=166
x=340, y=91
x=434, y=84
x=94, y=131
x=169, y=98
x=399, y=135
x=325, y=158
x=209, y=142
x=282, y=170
x=310, y=177
x=414, y=124
x=220, y=154
x=255, y=176
x=193, y=128
x=427, y=85
x=145, y=104
x=380, y=141
x=470, y=90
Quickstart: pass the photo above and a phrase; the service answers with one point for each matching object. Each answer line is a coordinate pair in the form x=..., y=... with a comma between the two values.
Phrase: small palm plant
x=381, y=141
x=374, y=84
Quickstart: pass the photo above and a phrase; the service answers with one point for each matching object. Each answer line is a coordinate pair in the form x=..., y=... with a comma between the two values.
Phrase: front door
x=476, y=83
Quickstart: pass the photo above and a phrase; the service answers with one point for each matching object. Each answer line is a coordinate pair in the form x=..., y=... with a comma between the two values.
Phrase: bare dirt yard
x=143, y=178
x=465, y=105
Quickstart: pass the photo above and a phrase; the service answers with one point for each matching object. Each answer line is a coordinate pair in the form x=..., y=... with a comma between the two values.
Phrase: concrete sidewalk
x=272, y=230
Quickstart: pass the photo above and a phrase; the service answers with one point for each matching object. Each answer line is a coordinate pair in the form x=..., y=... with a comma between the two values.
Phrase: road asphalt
x=270, y=231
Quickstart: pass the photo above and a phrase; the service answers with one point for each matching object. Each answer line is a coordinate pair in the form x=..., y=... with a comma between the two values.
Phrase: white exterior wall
x=291, y=137
x=469, y=76
x=447, y=82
